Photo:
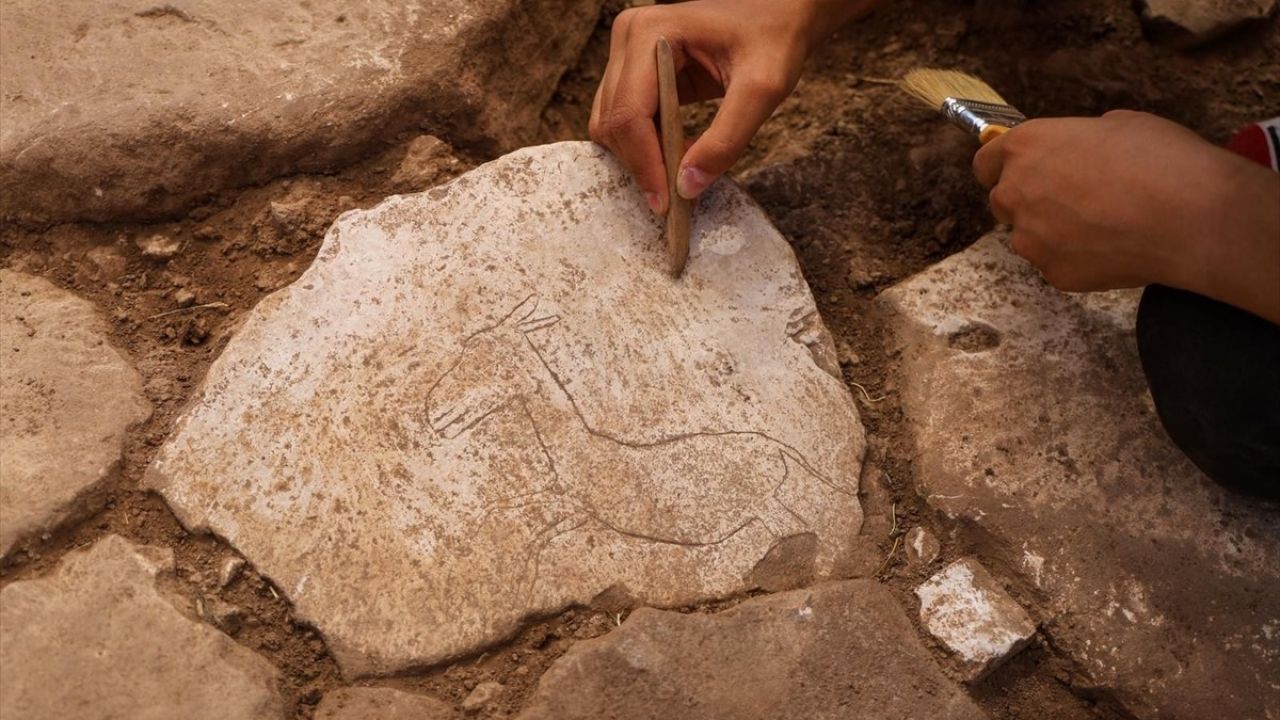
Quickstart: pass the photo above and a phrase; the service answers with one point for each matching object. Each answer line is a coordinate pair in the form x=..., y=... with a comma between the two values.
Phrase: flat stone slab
x=968, y=612
x=1036, y=434
x=490, y=401
x=100, y=639
x=66, y=398
x=836, y=651
x=127, y=109
x=377, y=703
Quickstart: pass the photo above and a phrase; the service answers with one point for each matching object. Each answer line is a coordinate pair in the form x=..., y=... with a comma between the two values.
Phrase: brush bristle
x=932, y=87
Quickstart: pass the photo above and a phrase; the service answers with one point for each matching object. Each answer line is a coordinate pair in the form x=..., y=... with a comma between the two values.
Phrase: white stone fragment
x=968, y=612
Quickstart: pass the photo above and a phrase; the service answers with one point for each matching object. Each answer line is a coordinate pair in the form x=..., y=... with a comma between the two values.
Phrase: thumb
x=748, y=102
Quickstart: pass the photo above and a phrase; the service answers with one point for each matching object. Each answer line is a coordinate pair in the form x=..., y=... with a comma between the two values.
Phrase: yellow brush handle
x=991, y=132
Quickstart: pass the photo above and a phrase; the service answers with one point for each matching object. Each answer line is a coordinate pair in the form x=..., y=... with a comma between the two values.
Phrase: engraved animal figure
x=687, y=489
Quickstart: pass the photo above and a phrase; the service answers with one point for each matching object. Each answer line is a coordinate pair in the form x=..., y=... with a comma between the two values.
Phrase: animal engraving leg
x=543, y=539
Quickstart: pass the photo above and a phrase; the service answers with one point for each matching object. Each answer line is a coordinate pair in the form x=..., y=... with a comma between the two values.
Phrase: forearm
x=1237, y=258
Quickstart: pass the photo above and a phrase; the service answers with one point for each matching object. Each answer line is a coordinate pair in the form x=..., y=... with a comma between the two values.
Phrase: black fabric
x=1214, y=372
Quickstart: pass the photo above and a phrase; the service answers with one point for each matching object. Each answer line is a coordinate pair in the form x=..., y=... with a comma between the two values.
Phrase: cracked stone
x=1187, y=23
x=300, y=87
x=494, y=403
x=66, y=398
x=1035, y=433
x=378, y=703
x=103, y=620
x=972, y=615
x=838, y=651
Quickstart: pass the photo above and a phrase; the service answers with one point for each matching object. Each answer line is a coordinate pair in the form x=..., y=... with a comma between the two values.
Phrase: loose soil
x=867, y=187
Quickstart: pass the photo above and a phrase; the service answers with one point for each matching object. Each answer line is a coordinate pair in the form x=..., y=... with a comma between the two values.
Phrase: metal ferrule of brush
x=976, y=116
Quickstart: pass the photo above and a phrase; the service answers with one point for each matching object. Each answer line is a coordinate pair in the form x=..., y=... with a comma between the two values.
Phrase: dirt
x=867, y=187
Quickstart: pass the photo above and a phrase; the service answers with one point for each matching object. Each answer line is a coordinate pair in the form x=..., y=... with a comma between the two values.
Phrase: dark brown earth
x=867, y=187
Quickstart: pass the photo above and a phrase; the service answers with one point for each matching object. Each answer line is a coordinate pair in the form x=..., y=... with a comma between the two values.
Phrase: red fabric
x=1260, y=142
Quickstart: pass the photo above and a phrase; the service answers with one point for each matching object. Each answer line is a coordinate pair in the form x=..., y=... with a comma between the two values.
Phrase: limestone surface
x=838, y=651
x=1036, y=433
x=135, y=108
x=489, y=401
x=968, y=612
x=1186, y=23
x=99, y=639
x=379, y=703
x=66, y=398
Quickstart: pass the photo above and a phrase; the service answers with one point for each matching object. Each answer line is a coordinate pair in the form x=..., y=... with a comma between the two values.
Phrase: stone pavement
x=836, y=651
x=1037, y=439
x=488, y=402
x=124, y=109
x=66, y=398
x=100, y=638
x=361, y=703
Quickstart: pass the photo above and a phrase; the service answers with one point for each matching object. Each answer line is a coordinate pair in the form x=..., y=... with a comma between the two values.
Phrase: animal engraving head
x=497, y=365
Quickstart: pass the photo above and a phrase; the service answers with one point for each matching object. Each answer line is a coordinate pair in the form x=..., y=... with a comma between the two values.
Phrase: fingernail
x=692, y=181
x=655, y=202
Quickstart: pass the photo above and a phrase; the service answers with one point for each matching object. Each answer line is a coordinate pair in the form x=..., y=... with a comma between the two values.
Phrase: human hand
x=1130, y=199
x=748, y=51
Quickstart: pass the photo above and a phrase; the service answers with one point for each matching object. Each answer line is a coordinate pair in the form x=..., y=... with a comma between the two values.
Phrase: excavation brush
x=965, y=100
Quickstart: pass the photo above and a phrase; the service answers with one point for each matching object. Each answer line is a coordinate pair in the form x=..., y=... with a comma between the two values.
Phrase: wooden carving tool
x=965, y=100
x=678, y=209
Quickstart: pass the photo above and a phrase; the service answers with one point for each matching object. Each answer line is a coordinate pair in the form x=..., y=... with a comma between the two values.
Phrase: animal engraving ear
x=538, y=323
x=522, y=311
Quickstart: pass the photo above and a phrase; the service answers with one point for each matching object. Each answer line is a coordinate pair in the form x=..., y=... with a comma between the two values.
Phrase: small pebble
x=159, y=247
x=483, y=696
x=230, y=570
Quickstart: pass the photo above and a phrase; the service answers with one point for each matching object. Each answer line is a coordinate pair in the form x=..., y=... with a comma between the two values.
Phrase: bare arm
x=1129, y=199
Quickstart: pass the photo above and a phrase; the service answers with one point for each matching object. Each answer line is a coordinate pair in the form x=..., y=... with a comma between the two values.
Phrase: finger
x=604, y=93
x=747, y=104
x=988, y=162
x=628, y=127
x=1002, y=205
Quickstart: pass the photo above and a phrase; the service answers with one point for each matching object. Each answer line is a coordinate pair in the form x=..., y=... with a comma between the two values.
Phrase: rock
x=159, y=247
x=836, y=651
x=968, y=612
x=297, y=87
x=495, y=404
x=1187, y=23
x=230, y=570
x=223, y=615
x=922, y=546
x=100, y=639
x=427, y=162
x=66, y=399
x=380, y=703
x=1035, y=433
x=184, y=297
x=481, y=697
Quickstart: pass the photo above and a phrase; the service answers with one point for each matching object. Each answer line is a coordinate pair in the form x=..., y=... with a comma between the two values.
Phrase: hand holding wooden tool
x=678, y=208
x=965, y=100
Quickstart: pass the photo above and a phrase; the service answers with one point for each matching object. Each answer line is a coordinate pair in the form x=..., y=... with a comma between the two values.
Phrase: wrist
x=821, y=18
